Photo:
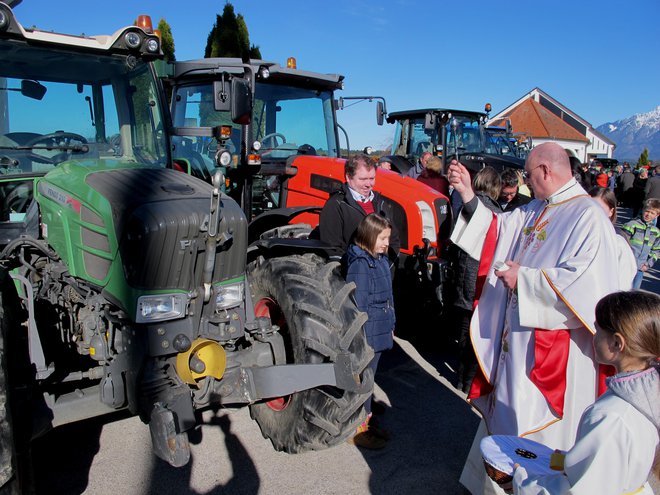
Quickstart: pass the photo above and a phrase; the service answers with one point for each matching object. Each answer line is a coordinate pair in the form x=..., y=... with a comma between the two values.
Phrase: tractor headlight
x=152, y=45
x=132, y=39
x=228, y=296
x=4, y=20
x=223, y=158
x=161, y=307
x=428, y=221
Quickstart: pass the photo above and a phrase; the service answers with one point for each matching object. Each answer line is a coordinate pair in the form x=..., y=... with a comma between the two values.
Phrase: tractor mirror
x=241, y=102
x=32, y=89
x=380, y=112
x=429, y=121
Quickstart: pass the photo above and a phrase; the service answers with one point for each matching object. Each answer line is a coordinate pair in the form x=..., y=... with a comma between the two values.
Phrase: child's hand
x=644, y=267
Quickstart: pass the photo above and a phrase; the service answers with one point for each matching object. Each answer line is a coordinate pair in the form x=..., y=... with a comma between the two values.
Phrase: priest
x=543, y=268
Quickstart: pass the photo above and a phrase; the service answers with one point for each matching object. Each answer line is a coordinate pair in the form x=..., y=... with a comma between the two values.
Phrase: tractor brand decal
x=60, y=197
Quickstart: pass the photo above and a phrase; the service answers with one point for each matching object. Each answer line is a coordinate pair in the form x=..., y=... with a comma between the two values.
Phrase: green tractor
x=125, y=283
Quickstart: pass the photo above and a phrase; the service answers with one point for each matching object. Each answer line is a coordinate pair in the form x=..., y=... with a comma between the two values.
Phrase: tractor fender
x=276, y=218
x=277, y=247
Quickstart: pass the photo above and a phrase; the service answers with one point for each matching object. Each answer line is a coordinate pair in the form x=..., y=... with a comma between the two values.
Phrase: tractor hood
x=133, y=229
x=476, y=161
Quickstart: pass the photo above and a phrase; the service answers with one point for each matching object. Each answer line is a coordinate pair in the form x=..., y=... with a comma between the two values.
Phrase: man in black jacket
x=355, y=200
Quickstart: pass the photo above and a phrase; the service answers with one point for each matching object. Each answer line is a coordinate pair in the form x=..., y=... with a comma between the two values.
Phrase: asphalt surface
x=431, y=425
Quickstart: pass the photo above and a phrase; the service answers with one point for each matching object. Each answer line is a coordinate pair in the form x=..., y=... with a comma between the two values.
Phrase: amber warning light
x=291, y=63
x=225, y=132
x=144, y=22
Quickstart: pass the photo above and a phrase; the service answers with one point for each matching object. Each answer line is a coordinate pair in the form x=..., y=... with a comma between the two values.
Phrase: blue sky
x=598, y=58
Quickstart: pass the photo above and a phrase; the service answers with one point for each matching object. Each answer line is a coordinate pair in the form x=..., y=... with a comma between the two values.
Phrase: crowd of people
x=542, y=295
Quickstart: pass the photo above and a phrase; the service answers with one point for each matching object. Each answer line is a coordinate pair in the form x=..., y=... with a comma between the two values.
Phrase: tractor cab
x=286, y=113
x=448, y=134
x=60, y=107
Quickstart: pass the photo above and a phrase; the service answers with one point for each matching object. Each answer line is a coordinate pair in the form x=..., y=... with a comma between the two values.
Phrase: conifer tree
x=229, y=37
x=644, y=158
x=167, y=40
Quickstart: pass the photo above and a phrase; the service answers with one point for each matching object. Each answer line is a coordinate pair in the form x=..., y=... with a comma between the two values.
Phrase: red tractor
x=273, y=132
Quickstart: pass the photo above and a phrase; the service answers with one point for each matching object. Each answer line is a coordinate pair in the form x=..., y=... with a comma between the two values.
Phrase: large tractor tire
x=310, y=302
x=15, y=467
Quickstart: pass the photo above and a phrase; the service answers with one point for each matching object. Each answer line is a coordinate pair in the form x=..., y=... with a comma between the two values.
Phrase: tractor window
x=411, y=139
x=148, y=139
x=421, y=140
x=499, y=143
x=468, y=135
x=59, y=109
x=289, y=120
x=193, y=108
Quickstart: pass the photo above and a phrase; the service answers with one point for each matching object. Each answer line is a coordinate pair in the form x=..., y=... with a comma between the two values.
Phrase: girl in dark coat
x=368, y=267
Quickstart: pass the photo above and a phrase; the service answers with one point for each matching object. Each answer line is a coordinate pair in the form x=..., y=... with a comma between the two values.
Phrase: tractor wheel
x=15, y=466
x=306, y=297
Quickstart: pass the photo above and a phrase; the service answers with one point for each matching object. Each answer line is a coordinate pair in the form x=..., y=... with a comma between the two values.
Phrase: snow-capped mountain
x=633, y=134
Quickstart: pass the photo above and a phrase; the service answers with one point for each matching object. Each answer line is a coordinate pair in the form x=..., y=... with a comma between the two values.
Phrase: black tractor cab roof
x=419, y=113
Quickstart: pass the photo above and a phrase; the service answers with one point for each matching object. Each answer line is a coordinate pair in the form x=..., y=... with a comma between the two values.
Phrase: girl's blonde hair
x=368, y=230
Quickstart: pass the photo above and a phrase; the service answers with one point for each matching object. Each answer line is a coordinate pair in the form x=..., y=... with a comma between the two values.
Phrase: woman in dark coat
x=637, y=193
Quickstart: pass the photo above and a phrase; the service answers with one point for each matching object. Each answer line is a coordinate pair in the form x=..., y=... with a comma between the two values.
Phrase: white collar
x=567, y=191
x=359, y=198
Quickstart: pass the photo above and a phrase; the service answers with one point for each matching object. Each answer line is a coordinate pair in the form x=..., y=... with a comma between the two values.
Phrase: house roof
x=538, y=122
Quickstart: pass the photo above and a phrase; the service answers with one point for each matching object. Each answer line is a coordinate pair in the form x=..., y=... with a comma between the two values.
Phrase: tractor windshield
x=412, y=139
x=58, y=106
x=290, y=120
x=464, y=133
x=286, y=120
x=499, y=142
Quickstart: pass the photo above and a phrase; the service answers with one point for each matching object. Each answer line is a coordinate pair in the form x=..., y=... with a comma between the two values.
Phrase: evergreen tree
x=244, y=37
x=167, y=40
x=229, y=37
x=644, y=158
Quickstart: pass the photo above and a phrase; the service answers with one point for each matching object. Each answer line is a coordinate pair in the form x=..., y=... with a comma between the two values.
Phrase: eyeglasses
x=527, y=173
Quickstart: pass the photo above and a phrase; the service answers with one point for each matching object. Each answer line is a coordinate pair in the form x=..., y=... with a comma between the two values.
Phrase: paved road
x=431, y=425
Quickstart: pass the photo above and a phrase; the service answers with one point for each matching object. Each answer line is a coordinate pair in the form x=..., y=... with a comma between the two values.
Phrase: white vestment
x=567, y=251
x=627, y=263
x=613, y=455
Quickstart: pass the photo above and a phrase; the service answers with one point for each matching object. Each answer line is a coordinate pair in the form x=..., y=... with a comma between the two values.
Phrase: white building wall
x=577, y=149
x=598, y=147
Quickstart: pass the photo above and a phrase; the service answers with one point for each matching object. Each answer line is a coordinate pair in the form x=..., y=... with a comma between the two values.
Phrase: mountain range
x=633, y=134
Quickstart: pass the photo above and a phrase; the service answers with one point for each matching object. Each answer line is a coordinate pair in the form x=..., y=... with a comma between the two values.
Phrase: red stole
x=604, y=371
x=551, y=348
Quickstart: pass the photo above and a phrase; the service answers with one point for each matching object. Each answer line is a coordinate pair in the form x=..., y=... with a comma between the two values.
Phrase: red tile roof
x=537, y=121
